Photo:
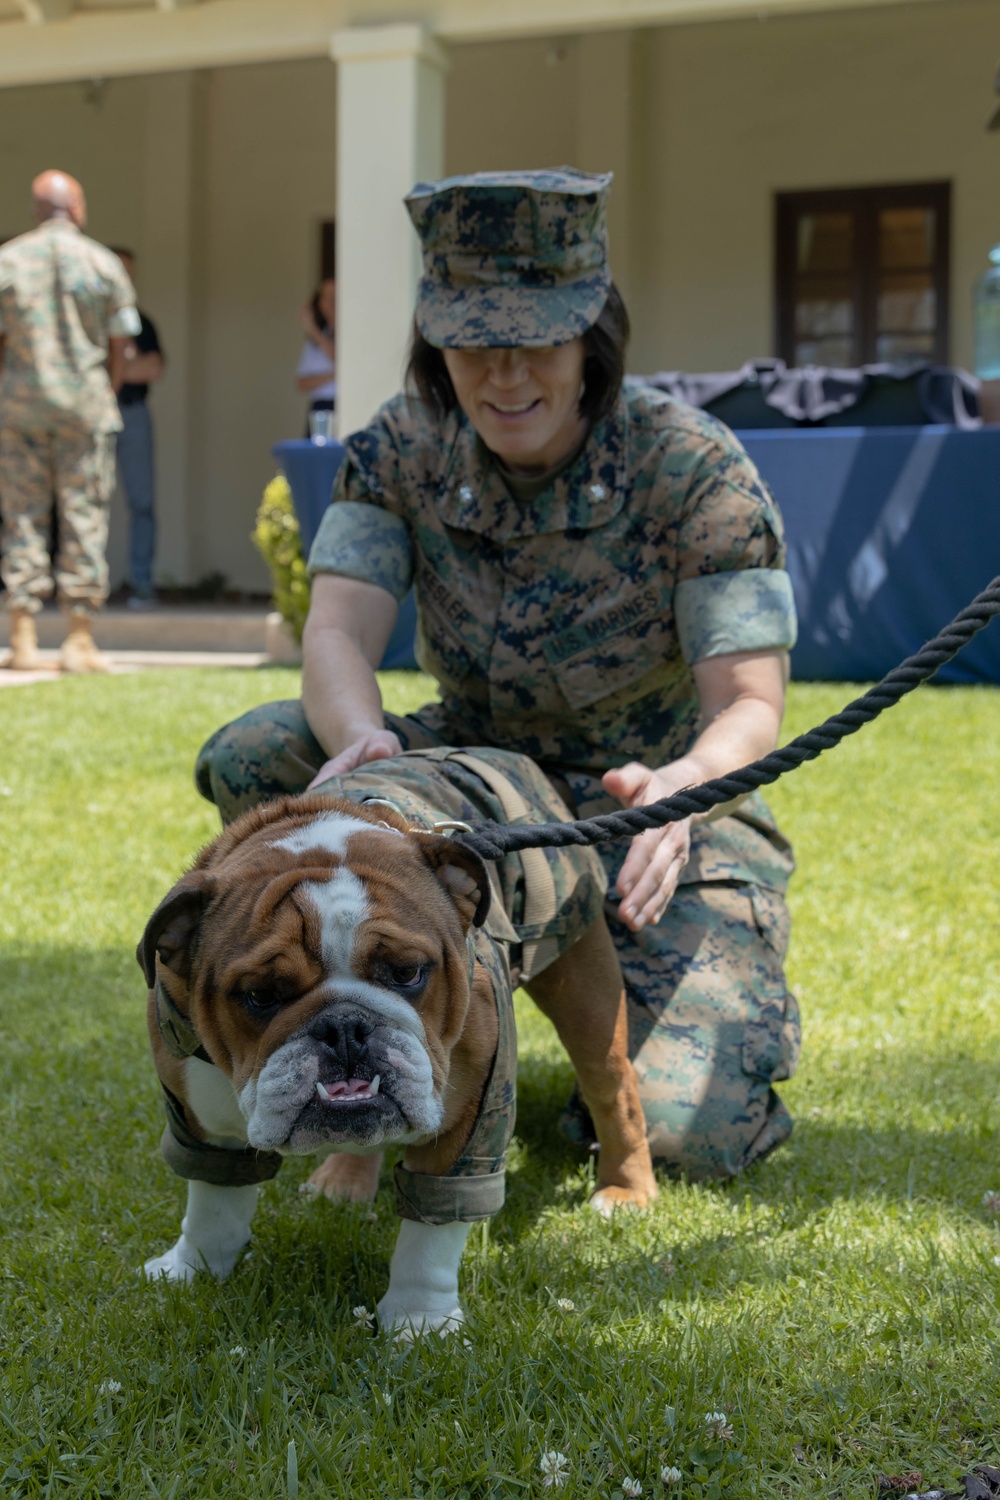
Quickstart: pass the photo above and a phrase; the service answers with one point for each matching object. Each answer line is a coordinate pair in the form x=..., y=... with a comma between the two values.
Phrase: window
x=862, y=275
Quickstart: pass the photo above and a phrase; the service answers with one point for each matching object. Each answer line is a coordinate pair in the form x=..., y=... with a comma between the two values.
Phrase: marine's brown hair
x=604, y=344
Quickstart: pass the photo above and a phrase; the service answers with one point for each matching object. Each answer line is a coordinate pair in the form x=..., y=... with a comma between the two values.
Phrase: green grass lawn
x=838, y=1305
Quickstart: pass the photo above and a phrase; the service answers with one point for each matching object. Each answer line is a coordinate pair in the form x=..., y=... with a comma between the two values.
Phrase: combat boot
x=24, y=655
x=79, y=653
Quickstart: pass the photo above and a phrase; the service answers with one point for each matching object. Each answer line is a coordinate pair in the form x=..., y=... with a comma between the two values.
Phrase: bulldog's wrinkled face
x=321, y=957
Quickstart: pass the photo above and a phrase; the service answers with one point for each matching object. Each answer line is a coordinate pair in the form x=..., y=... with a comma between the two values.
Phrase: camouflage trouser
x=75, y=465
x=712, y=1024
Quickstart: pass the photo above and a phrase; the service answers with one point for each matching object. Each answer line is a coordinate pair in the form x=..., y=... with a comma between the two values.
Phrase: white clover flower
x=671, y=1475
x=565, y=1305
x=237, y=1351
x=718, y=1424
x=362, y=1317
x=554, y=1468
x=996, y=1260
x=991, y=1202
x=109, y=1388
x=631, y=1487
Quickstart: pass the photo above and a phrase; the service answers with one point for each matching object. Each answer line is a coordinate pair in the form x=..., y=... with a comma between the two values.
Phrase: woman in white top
x=316, y=375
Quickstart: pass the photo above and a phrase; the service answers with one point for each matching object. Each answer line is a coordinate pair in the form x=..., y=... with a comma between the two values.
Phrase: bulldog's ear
x=463, y=875
x=172, y=926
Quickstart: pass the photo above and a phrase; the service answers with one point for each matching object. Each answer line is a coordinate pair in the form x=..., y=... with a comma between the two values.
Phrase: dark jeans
x=135, y=461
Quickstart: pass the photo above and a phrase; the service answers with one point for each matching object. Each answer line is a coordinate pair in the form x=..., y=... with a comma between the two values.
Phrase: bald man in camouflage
x=67, y=311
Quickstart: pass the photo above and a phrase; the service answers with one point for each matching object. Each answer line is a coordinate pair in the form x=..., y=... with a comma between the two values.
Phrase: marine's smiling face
x=328, y=977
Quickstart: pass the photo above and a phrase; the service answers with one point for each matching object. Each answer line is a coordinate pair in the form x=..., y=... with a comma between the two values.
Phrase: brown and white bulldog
x=316, y=960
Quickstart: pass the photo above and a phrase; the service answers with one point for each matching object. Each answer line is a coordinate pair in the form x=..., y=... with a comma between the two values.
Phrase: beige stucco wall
x=261, y=180
x=732, y=113
x=94, y=133
x=270, y=181
x=702, y=124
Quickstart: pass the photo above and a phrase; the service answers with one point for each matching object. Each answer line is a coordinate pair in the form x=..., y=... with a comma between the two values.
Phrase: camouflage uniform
x=62, y=296
x=561, y=620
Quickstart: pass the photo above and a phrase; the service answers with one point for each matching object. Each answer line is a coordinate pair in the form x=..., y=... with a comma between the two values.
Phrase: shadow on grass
x=894, y=1159
x=74, y=1018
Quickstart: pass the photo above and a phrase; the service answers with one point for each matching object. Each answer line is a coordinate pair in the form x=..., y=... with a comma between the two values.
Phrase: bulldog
x=320, y=980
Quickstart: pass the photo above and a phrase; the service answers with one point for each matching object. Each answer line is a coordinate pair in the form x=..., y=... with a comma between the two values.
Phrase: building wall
x=270, y=180
x=94, y=132
x=220, y=179
x=228, y=245
x=732, y=113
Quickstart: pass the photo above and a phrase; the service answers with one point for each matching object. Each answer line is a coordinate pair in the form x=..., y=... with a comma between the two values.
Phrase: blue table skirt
x=891, y=531
x=310, y=469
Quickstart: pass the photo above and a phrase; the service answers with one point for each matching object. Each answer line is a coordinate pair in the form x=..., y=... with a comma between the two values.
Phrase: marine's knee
x=217, y=755
x=267, y=752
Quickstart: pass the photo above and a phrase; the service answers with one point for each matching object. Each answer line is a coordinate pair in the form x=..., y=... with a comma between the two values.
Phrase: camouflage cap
x=511, y=258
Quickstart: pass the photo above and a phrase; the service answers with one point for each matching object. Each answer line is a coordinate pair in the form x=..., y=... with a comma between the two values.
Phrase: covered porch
x=219, y=138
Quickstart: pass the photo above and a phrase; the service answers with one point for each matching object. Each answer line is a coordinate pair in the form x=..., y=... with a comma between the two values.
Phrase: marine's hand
x=378, y=744
x=655, y=860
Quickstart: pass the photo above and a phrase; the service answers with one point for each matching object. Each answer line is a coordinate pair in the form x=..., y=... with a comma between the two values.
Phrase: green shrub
x=276, y=537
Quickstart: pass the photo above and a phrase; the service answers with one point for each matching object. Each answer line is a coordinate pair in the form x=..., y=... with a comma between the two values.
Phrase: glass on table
x=322, y=426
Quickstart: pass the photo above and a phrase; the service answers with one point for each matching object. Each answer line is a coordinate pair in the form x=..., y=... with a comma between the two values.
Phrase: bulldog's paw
x=406, y=1324
x=181, y=1262
x=345, y=1178
x=611, y=1199
x=175, y=1265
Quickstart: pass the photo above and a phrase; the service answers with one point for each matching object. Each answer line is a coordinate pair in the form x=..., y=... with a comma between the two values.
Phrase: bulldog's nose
x=347, y=1039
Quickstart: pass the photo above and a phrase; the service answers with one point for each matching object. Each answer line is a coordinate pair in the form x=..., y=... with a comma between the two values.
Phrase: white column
x=390, y=134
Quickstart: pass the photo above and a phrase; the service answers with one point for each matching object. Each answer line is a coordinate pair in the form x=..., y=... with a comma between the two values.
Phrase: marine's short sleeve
x=750, y=609
x=124, y=324
x=364, y=533
x=6, y=286
x=357, y=537
x=123, y=315
x=732, y=591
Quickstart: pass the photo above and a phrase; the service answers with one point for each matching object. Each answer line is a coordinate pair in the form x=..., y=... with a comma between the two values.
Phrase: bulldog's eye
x=407, y=976
x=258, y=1001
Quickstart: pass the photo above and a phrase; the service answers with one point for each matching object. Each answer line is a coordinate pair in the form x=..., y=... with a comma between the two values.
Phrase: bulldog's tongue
x=345, y=1089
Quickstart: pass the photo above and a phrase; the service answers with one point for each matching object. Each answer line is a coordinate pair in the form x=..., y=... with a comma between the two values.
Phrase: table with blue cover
x=310, y=469
x=891, y=531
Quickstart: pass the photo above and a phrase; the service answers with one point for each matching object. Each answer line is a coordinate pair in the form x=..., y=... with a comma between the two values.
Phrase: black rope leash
x=494, y=840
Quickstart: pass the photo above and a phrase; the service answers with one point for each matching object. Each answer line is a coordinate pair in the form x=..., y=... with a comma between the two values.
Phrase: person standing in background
x=317, y=371
x=67, y=310
x=144, y=365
